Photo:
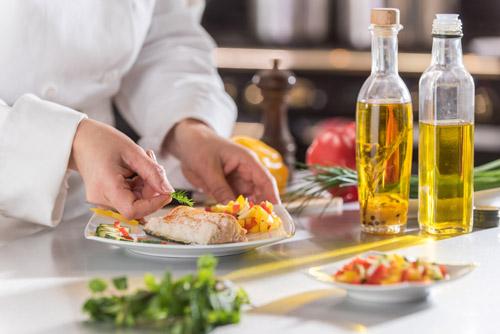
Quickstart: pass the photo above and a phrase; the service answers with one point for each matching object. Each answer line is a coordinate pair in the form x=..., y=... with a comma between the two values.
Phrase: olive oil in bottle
x=384, y=133
x=446, y=153
x=446, y=134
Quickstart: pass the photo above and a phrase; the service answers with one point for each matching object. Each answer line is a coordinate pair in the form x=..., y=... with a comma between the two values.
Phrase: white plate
x=391, y=293
x=172, y=249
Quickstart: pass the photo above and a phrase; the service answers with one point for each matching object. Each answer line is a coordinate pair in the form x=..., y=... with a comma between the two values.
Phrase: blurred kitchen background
x=326, y=44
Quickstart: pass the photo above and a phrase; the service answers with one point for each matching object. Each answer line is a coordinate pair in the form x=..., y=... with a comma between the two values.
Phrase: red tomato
x=378, y=275
x=251, y=224
x=443, y=269
x=362, y=262
x=265, y=207
x=335, y=145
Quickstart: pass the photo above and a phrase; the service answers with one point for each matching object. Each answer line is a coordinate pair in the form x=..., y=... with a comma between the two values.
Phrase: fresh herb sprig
x=314, y=181
x=321, y=178
x=192, y=304
x=181, y=197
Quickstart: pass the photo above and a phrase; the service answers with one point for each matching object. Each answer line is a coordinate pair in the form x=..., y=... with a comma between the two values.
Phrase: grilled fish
x=196, y=226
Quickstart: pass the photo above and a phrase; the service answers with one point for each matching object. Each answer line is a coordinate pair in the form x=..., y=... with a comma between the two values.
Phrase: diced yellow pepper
x=246, y=214
x=263, y=226
x=348, y=277
x=260, y=213
x=241, y=201
x=254, y=229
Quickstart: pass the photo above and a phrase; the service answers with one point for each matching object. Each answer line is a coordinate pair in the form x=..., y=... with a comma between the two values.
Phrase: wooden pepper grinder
x=274, y=85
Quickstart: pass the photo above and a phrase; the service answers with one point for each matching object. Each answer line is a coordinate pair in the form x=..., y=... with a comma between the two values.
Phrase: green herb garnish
x=181, y=197
x=97, y=285
x=195, y=303
x=120, y=283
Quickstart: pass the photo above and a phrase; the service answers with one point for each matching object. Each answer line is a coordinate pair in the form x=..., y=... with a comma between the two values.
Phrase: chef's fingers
x=140, y=188
x=148, y=192
x=151, y=172
x=152, y=155
x=135, y=183
x=265, y=186
x=145, y=206
x=194, y=178
x=241, y=184
x=120, y=196
x=216, y=184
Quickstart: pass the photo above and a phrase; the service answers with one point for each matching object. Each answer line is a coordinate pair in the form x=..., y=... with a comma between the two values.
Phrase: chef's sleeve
x=174, y=78
x=36, y=137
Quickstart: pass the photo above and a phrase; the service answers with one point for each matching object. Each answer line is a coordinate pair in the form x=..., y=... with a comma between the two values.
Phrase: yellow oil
x=383, y=156
x=446, y=160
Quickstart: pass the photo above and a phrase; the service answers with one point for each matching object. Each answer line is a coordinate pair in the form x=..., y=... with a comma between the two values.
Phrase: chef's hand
x=218, y=166
x=117, y=173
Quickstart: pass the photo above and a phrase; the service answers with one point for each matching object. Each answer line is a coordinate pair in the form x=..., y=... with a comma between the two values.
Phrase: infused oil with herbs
x=384, y=133
x=384, y=145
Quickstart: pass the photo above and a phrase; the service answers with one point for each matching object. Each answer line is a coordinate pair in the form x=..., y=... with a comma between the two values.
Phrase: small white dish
x=178, y=250
x=390, y=293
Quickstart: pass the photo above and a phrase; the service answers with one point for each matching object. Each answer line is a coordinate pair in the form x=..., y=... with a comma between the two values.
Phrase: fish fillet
x=196, y=226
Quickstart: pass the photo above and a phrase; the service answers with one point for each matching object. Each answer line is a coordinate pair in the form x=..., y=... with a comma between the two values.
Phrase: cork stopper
x=385, y=16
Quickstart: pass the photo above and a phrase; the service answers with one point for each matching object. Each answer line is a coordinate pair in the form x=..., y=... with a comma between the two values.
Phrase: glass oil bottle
x=384, y=132
x=446, y=134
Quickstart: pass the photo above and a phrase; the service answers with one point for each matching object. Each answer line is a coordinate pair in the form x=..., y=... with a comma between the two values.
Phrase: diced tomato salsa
x=252, y=217
x=389, y=269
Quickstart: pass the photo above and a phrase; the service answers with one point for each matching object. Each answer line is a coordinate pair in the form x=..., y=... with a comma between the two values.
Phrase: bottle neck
x=384, y=50
x=447, y=51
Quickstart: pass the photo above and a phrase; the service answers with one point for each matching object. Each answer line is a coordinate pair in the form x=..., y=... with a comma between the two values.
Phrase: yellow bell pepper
x=269, y=158
x=114, y=215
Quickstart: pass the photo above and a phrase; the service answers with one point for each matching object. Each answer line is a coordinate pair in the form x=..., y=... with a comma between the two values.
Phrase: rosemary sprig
x=313, y=182
x=320, y=178
x=181, y=197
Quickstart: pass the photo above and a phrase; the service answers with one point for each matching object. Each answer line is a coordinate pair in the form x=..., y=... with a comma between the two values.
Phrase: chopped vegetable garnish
x=252, y=217
x=389, y=269
x=115, y=231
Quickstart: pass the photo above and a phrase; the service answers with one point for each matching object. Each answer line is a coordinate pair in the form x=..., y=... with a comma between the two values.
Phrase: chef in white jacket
x=63, y=61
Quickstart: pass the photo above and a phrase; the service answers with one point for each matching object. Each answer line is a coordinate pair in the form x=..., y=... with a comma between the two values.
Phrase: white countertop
x=43, y=274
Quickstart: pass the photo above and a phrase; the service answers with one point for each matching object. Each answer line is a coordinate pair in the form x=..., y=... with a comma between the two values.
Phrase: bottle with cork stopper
x=274, y=85
x=384, y=131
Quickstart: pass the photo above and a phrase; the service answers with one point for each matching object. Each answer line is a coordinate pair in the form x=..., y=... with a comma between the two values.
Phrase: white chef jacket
x=61, y=60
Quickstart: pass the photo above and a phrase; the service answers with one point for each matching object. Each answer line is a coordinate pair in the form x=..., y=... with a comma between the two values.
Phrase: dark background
x=326, y=93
